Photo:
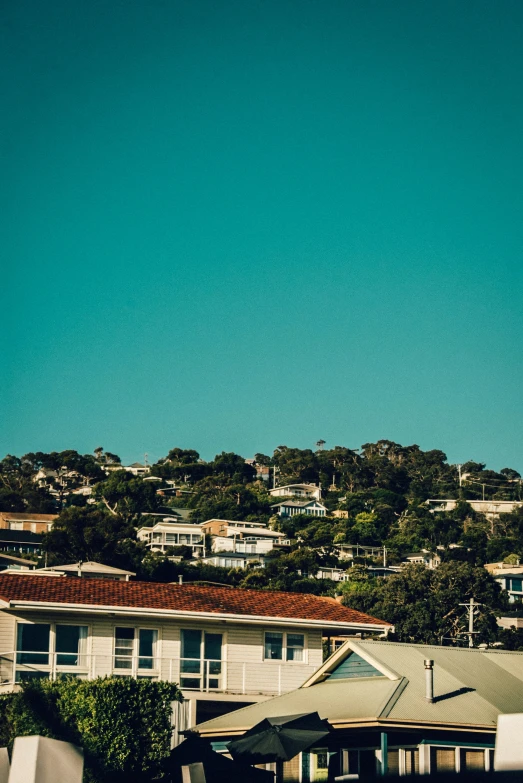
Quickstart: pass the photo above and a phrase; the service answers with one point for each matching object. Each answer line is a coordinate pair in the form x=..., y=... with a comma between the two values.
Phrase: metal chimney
x=429, y=680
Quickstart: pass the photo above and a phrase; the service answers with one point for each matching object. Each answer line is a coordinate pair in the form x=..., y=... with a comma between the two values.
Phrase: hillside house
x=32, y=523
x=395, y=709
x=226, y=527
x=303, y=491
x=224, y=646
x=21, y=542
x=490, y=508
x=289, y=508
x=248, y=544
x=234, y=560
x=426, y=558
x=164, y=535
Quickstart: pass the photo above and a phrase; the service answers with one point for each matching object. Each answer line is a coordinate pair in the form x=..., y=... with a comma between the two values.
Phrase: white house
x=227, y=527
x=424, y=557
x=225, y=646
x=234, y=560
x=289, y=508
x=491, y=508
x=248, y=545
x=304, y=491
x=166, y=534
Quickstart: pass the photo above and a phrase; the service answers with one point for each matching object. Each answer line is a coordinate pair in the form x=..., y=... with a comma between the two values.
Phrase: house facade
x=289, y=508
x=21, y=542
x=394, y=709
x=491, y=508
x=299, y=491
x=166, y=534
x=31, y=523
x=234, y=560
x=225, y=647
x=229, y=527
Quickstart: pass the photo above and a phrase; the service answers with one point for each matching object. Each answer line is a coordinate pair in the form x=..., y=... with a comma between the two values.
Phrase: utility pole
x=384, y=557
x=459, y=473
x=471, y=607
x=145, y=459
x=274, y=469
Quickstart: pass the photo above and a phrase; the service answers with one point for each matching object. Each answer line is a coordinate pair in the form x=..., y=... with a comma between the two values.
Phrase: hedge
x=123, y=725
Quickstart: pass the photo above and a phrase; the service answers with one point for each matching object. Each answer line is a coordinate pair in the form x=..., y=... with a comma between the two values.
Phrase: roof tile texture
x=187, y=597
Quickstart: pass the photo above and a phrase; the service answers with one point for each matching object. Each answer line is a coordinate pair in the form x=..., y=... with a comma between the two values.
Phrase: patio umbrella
x=216, y=766
x=279, y=739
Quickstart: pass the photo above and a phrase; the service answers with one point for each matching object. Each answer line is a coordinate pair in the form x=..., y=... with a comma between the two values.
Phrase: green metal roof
x=471, y=688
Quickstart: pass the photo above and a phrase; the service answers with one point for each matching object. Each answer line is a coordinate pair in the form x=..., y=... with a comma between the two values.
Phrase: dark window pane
x=193, y=683
x=191, y=644
x=33, y=643
x=274, y=646
x=213, y=646
x=146, y=643
x=69, y=641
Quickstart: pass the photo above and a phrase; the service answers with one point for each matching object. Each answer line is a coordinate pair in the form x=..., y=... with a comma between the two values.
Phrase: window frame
x=285, y=659
x=52, y=668
x=201, y=675
x=135, y=670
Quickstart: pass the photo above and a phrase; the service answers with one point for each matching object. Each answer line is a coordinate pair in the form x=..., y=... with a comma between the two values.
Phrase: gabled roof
x=89, y=567
x=471, y=688
x=186, y=599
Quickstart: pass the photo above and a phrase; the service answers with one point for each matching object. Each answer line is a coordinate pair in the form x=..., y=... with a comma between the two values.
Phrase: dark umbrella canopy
x=279, y=739
x=216, y=766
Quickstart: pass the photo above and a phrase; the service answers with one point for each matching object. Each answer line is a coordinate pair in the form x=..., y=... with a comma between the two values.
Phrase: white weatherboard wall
x=43, y=760
x=243, y=648
x=508, y=754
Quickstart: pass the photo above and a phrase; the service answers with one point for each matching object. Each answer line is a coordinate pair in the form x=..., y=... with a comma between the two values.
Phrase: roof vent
x=429, y=680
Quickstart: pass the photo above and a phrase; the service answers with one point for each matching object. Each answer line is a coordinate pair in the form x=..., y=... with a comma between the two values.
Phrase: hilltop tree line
x=382, y=488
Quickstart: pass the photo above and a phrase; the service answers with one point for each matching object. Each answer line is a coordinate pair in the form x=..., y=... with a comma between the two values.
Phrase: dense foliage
x=123, y=724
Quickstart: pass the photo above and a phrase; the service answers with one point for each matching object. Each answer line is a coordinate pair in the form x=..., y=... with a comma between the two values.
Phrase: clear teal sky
x=239, y=224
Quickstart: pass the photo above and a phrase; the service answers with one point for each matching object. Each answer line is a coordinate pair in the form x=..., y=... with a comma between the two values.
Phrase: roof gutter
x=366, y=723
x=174, y=613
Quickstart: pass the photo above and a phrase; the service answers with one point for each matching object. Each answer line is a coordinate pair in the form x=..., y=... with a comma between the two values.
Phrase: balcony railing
x=270, y=678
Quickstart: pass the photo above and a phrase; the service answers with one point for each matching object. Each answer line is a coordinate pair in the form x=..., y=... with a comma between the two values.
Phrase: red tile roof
x=182, y=598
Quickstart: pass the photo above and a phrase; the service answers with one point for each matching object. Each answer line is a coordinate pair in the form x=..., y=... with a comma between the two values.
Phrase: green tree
x=424, y=604
x=92, y=534
x=122, y=724
x=127, y=496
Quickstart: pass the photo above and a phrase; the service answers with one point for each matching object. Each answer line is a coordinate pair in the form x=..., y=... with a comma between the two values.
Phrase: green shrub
x=123, y=725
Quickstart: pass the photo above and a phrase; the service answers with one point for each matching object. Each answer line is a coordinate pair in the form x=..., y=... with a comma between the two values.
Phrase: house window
x=33, y=643
x=201, y=664
x=442, y=760
x=123, y=648
x=516, y=585
x=171, y=539
x=71, y=645
x=273, y=646
x=38, y=646
x=281, y=646
x=135, y=646
x=295, y=646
